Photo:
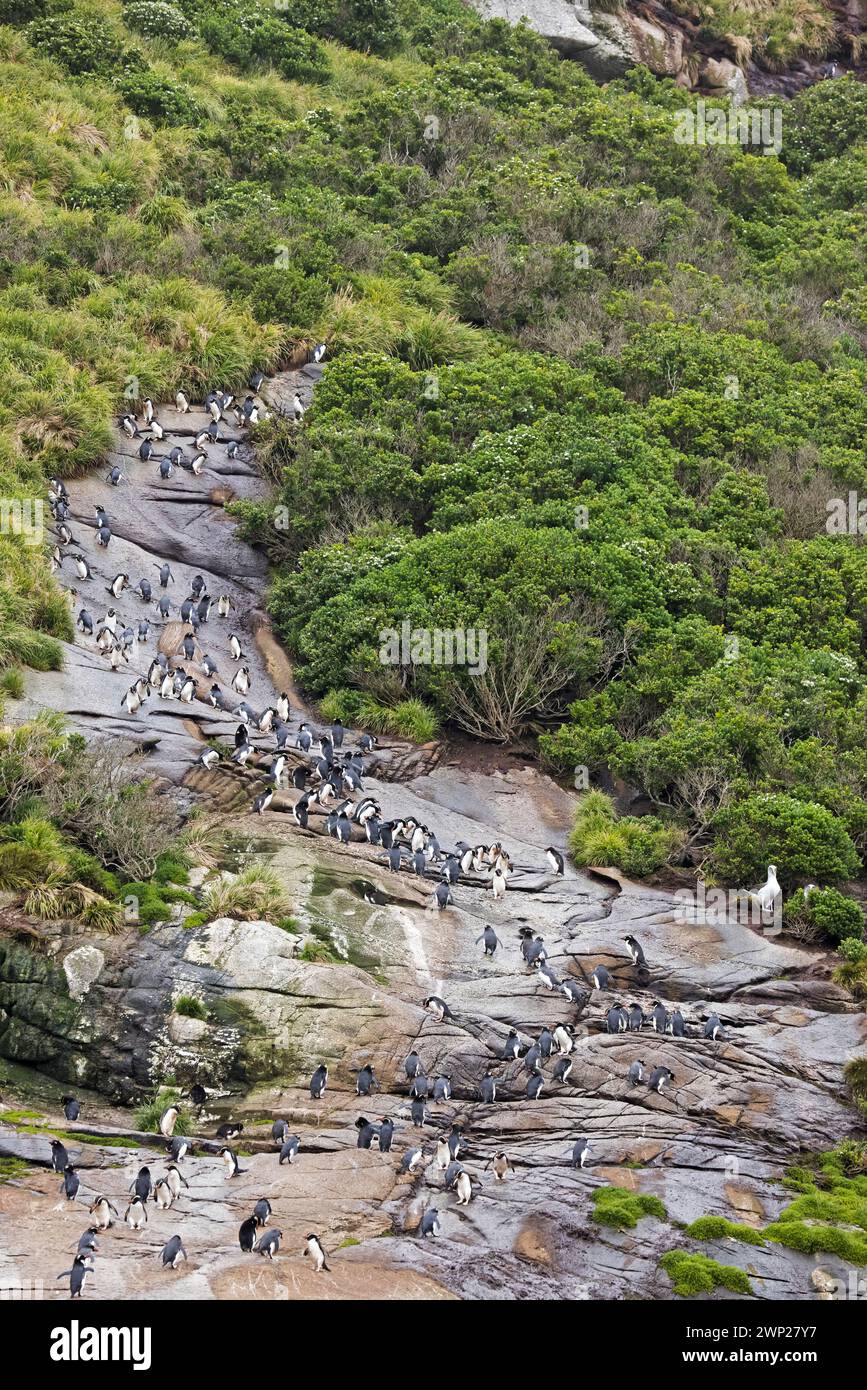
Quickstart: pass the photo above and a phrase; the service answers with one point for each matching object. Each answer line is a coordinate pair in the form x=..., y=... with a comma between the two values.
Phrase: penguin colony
x=330, y=791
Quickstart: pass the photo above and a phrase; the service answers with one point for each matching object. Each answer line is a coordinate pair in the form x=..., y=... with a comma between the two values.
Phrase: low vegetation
x=256, y=893
x=623, y=1209
x=695, y=1274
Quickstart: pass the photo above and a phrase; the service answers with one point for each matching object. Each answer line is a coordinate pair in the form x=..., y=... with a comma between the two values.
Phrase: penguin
x=442, y=1091
x=229, y=1131
x=136, y=1214
x=84, y=622
x=156, y=429
x=562, y=1068
x=437, y=1008
x=168, y=1120
x=209, y=666
x=451, y=869
x=464, y=1189
x=149, y=411
x=233, y=450
x=283, y=707
x=511, y=1047
x=713, y=1028
x=366, y=1132
x=81, y=1267
x=231, y=1166
x=247, y=1234
x=580, y=1150
x=635, y=951
x=300, y=812
x=420, y=1087
x=59, y=1156
x=386, y=1134
x=318, y=1081
x=545, y=1042
x=534, y=952
x=430, y=1222
x=175, y=1180
x=600, y=978
x=103, y=1210
x=412, y=1159
x=659, y=1077
x=564, y=1037
x=616, y=1019
x=89, y=1241
x=114, y=476
x=452, y=1173
x=141, y=1184
x=262, y=1211
x=533, y=1058
x=676, y=1024
x=367, y=742
x=547, y=976
x=412, y=1065
x=279, y=1131
x=501, y=1166
x=71, y=1183
x=442, y=896
x=82, y=568
x=188, y=690
x=365, y=1081
x=255, y=380
x=224, y=605
x=491, y=940
x=117, y=585
x=488, y=1089
x=658, y=1017
x=235, y=648
x=455, y=1140
x=319, y=352
x=634, y=1018
x=262, y=802
x=241, y=680
x=534, y=1087
x=209, y=758
x=164, y=608
x=71, y=1108
x=129, y=426
x=181, y=403
x=394, y=859
x=636, y=1073
x=179, y=1148
x=313, y=1248
x=165, y=469
x=166, y=575
x=173, y=1252
x=269, y=1243
x=146, y=450
x=289, y=1149
x=556, y=862
x=198, y=1095
x=498, y=884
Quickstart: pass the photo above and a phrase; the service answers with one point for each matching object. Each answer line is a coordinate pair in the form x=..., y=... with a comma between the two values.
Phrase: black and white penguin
x=636, y=1073
x=102, y=1210
x=437, y=1007
x=269, y=1243
x=313, y=1248
x=430, y=1222
x=386, y=1134
x=81, y=1267
x=71, y=1183
x=556, y=862
x=562, y=1068
x=247, y=1233
x=635, y=952
x=411, y=1160
x=262, y=1211
x=580, y=1150
x=173, y=1252
x=635, y=1017
x=136, y=1214
x=318, y=1081
x=289, y=1149
x=713, y=1028
x=263, y=801
x=491, y=940
x=59, y=1156
x=658, y=1017
x=659, y=1077
x=231, y=1166
x=365, y=1081
x=600, y=978
x=166, y=575
x=168, y=1120
x=488, y=1088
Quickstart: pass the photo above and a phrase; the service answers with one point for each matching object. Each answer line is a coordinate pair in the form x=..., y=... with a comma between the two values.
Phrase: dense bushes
x=156, y=19
x=638, y=846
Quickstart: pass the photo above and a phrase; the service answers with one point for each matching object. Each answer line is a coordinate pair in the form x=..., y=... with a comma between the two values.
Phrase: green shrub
x=147, y=1117
x=157, y=20
x=637, y=845
x=837, y=916
x=257, y=892
x=188, y=1006
x=717, y=1228
x=619, y=1207
x=802, y=838
x=12, y=682
x=158, y=99
x=695, y=1274
x=813, y=1239
x=81, y=42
